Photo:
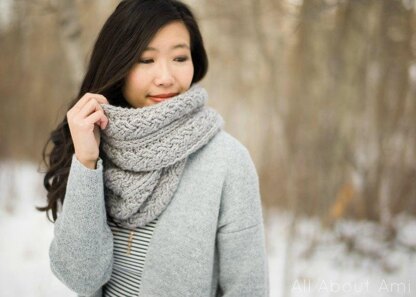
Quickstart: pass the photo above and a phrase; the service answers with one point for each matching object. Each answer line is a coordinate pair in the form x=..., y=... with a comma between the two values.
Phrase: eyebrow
x=180, y=45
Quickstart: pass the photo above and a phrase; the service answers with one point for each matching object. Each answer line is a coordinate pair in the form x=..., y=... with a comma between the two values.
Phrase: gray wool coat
x=208, y=242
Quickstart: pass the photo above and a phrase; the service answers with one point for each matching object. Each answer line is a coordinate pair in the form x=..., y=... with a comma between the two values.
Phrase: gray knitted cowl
x=146, y=150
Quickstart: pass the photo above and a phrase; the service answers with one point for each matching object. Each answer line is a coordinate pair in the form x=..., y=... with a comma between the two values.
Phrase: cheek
x=187, y=75
x=135, y=82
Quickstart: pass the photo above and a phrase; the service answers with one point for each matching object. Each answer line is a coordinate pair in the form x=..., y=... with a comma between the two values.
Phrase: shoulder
x=229, y=154
x=237, y=155
x=229, y=141
x=240, y=197
x=223, y=156
x=230, y=147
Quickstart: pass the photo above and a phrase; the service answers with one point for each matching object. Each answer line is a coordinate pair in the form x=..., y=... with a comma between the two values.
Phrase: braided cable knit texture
x=146, y=151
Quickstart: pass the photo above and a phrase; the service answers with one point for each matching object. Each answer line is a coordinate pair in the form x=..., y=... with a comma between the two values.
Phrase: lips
x=162, y=97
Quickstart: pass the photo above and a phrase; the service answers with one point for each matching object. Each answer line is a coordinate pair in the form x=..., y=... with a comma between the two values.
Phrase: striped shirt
x=130, y=248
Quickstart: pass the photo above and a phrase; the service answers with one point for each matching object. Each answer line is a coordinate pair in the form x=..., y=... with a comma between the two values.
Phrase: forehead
x=172, y=36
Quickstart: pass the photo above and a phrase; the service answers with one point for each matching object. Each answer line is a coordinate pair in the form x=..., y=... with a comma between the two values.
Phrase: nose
x=164, y=75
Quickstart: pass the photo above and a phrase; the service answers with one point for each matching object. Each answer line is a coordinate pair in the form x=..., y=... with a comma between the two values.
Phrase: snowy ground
x=297, y=268
x=372, y=268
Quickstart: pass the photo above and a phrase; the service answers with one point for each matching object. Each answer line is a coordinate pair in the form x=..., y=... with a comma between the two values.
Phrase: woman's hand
x=84, y=120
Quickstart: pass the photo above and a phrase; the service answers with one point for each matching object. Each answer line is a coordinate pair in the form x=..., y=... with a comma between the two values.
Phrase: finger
x=104, y=121
x=97, y=118
x=86, y=98
x=89, y=108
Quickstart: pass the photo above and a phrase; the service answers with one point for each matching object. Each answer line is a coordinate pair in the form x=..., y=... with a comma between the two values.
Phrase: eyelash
x=178, y=59
x=182, y=59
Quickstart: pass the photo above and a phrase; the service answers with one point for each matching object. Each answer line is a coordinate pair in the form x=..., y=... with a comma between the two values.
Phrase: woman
x=154, y=197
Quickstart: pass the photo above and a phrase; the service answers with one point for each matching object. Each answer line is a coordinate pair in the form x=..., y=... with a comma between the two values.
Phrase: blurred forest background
x=322, y=92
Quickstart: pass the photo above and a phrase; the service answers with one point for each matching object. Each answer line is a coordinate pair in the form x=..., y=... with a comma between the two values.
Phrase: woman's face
x=164, y=70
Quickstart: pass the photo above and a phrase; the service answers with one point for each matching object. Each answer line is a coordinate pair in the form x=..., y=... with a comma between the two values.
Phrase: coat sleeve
x=243, y=268
x=81, y=252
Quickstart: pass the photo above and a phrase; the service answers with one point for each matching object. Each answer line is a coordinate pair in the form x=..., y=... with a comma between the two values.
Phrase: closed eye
x=146, y=61
x=181, y=59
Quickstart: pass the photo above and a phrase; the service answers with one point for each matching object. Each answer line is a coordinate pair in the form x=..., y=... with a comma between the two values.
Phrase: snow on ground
x=25, y=234
x=372, y=268
x=314, y=261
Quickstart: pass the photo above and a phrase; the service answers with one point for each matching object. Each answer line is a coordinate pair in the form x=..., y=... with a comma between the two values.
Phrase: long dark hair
x=121, y=42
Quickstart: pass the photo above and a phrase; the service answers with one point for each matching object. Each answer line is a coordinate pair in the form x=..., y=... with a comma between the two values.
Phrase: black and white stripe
x=128, y=262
